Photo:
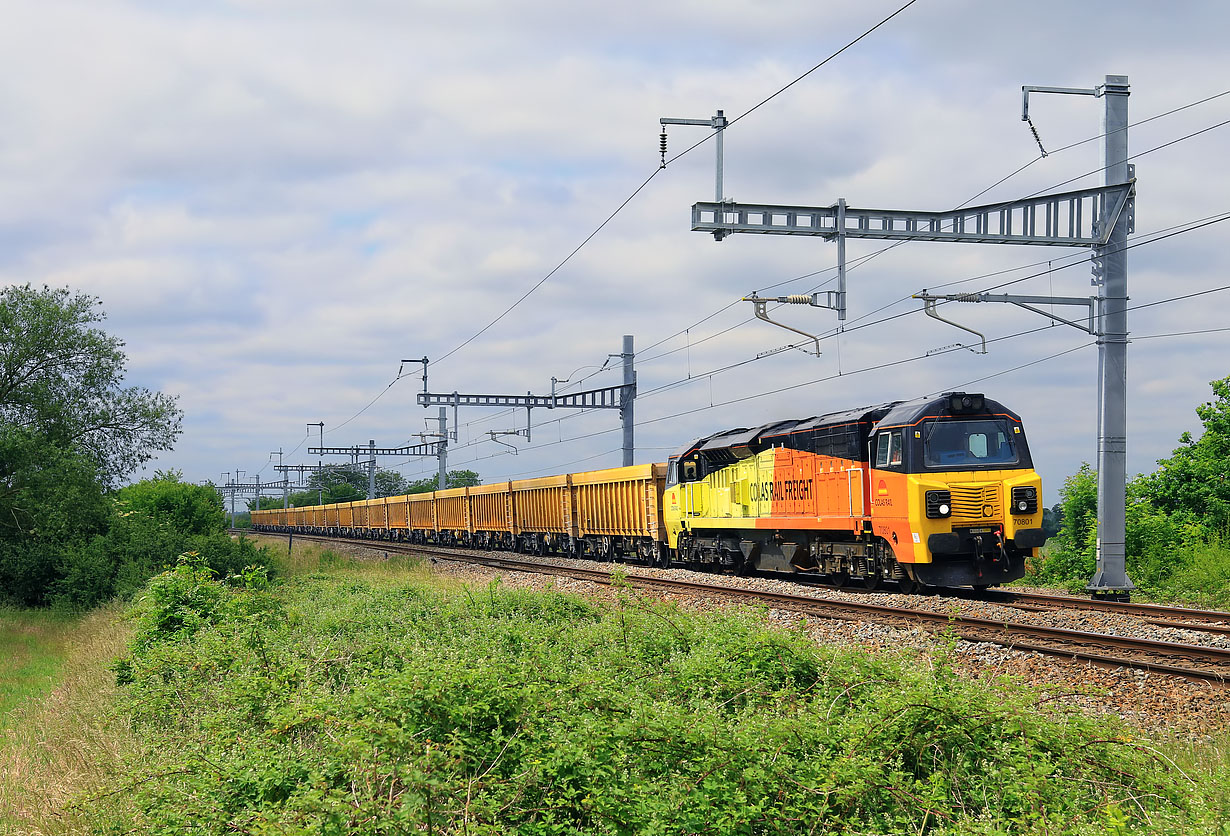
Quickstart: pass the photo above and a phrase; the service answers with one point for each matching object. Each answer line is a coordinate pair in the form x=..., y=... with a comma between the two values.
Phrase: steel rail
x=1211, y=664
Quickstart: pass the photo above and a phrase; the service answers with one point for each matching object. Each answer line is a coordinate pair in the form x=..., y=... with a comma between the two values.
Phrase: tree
x=454, y=479
x=61, y=378
x=336, y=474
x=51, y=503
x=390, y=483
x=1052, y=519
x=1195, y=480
x=69, y=430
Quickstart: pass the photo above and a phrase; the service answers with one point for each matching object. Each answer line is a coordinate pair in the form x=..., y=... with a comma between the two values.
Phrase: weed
x=373, y=704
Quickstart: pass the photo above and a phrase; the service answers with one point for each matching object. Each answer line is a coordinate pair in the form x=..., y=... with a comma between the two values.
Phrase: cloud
x=279, y=201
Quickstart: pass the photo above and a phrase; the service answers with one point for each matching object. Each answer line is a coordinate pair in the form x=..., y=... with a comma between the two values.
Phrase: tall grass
x=33, y=644
x=59, y=742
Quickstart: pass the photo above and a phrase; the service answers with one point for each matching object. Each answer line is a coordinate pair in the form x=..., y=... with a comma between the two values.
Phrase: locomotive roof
x=905, y=413
x=894, y=413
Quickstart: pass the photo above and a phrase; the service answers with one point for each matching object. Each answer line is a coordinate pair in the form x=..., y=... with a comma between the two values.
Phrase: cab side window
x=687, y=472
x=889, y=450
x=672, y=472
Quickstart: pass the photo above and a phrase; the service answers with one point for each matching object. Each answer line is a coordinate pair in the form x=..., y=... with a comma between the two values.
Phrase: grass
x=367, y=696
x=33, y=644
x=58, y=742
x=361, y=697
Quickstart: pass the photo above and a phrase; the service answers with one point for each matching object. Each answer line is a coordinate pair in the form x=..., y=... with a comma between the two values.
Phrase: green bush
x=184, y=507
x=338, y=706
x=63, y=542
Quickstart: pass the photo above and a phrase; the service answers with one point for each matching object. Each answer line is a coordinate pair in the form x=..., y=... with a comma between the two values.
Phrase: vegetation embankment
x=1178, y=520
x=70, y=433
x=377, y=701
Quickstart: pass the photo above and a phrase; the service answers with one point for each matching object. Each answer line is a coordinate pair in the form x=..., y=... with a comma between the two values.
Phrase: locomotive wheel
x=870, y=582
x=839, y=579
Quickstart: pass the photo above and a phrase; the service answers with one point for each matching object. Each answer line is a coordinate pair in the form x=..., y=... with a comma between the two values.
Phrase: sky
x=276, y=202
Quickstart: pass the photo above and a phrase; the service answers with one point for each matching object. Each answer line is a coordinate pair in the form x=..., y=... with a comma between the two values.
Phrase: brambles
x=364, y=705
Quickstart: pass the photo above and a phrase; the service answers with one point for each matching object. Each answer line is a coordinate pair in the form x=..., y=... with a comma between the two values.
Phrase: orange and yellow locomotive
x=930, y=492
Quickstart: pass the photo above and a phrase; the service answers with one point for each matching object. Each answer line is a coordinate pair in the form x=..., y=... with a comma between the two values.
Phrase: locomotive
x=924, y=493
x=929, y=492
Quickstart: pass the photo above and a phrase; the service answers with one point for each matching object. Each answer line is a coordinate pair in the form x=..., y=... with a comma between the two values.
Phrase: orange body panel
x=620, y=502
x=420, y=506
x=397, y=513
x=890, y=504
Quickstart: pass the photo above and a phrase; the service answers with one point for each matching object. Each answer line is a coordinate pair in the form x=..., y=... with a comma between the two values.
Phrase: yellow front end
x=982, y=516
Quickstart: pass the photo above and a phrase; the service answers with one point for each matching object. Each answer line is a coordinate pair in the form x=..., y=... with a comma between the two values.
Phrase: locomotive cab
x=955, y=491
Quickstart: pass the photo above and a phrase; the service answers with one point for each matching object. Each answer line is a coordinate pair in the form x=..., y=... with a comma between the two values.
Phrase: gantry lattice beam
x=610, y=397
x=1082, y=218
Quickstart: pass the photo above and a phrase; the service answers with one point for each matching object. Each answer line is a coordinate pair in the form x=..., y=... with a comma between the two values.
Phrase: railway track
x=1182, y=618
x=1195, y=663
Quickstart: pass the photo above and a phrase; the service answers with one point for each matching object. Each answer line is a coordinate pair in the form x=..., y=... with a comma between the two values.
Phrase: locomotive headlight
x=939, y=504
x=1025, y=500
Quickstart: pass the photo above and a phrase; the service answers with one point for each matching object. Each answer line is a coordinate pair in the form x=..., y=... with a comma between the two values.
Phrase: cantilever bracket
x=762, y=313
x=1026, y=302
x=929, y=308
x=495, y=436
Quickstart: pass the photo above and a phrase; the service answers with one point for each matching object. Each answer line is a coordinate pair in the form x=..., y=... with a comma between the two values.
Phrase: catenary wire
x=864, y=259
x=650, y=178
x=623, y=205
x=1002, y=180
x=711, y=373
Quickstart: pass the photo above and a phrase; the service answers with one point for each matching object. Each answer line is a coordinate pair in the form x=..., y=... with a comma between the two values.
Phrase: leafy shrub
x=181, y=601
x=358, y=708
x=64, y=542
x=187, y=508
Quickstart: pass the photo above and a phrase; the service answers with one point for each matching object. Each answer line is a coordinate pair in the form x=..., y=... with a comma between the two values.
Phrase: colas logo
x=882, y=488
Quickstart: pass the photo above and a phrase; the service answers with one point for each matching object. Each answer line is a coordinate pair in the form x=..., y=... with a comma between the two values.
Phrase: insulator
x=797, y=299
x=662, y=141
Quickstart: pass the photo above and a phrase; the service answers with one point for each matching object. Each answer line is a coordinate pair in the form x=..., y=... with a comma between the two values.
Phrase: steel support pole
x=371, y=469
x=443, y=479
x=841, y=260
x=1110, y=579
x=627, y=398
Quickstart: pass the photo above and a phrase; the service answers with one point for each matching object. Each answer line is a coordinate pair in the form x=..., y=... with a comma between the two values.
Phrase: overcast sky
x=277, y=201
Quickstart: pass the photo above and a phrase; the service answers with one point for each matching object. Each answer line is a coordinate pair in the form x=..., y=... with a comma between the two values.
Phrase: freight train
x=924, y=493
